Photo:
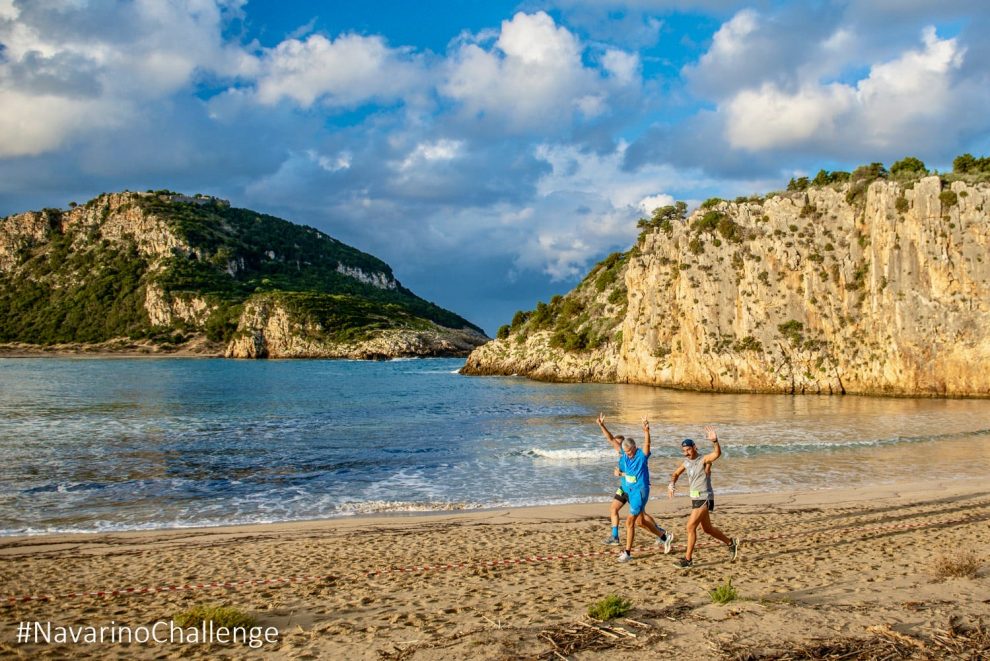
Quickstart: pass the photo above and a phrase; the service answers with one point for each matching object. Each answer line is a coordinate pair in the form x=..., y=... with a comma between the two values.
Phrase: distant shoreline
x=19, y=350
x=212, y=350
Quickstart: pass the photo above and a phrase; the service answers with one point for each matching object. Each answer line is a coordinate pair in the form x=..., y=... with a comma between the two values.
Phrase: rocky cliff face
x=270, y=328
x=161, y=270
x=800, y=293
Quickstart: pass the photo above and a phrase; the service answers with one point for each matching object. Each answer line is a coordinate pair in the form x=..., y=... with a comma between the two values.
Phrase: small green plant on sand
x=221, y=616
x=724, y=593
x=963, y=565
x=609, y=608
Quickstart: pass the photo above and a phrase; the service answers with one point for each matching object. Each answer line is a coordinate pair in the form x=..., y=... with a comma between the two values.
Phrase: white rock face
x=379, y=280
x=267, y=329
x=820, y=296
x=164, y=308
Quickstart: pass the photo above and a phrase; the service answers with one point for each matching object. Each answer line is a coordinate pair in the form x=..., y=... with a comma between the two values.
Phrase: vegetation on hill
x=78, y=286
x=584, y=319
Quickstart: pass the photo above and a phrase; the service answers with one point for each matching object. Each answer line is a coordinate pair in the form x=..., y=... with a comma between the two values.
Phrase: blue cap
x=687, y=443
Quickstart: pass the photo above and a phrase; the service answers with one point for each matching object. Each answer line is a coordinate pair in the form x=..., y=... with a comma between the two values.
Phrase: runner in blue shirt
x=634, y=465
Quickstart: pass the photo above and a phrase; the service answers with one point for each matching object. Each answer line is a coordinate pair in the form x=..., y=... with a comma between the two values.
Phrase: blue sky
x=491, y=152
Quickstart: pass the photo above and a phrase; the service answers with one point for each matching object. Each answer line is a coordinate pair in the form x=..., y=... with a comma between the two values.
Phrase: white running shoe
x=668, y=542
x=625, y=556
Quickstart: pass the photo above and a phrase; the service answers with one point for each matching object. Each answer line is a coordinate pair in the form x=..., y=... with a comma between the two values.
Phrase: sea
x=114, y=444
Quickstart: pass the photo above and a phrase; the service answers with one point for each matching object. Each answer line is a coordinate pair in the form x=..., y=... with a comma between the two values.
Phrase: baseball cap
x=687, y=443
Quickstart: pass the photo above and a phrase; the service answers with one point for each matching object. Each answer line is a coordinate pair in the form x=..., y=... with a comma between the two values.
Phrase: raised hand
x=710, y=432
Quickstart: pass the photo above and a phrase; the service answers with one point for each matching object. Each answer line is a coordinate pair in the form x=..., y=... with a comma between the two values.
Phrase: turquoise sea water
x=123, y=444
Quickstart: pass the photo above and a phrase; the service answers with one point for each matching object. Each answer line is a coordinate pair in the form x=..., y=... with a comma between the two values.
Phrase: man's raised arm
x=608, y=435
x=713, y=437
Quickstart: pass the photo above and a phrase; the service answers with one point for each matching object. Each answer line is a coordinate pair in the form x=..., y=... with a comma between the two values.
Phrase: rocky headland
x=164, y=273
x=869, y=283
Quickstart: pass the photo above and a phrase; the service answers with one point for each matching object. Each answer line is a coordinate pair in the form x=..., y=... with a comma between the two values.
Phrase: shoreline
x=591, y=508
x=512, y=582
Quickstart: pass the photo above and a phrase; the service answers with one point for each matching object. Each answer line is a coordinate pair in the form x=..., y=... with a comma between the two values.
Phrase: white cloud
x=732, y=40
x=345, y=72
x=59, y=78
x=8, y=10
x=913, y=92
x=622, y=66
x=532, y=77
x=768, y=118
x=652, y=202
x=440, y=150
x=31, y=124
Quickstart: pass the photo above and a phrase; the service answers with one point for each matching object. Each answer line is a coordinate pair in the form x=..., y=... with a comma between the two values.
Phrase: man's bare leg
x=709, y=527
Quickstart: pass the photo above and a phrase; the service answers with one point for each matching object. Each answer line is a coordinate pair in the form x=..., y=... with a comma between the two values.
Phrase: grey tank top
x=699, y=482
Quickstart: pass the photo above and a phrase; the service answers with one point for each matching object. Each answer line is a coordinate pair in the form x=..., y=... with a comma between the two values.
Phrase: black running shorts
x=695, y=504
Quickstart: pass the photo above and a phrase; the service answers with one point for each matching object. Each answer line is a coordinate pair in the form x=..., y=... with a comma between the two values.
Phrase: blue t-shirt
x=635, y=471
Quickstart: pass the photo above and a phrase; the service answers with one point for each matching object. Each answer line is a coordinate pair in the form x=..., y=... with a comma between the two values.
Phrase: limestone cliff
x=827, y=290
x=276, y=326
x=159, y=271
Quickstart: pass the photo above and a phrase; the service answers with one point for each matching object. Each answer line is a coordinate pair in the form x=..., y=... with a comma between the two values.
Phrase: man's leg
x=613, y=515
x=709, y=527
x=692, y=529
x=631, y=530
x=650, y=524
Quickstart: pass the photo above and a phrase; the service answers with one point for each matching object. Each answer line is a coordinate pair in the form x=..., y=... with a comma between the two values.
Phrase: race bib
x=631, y=479
x=696, y=494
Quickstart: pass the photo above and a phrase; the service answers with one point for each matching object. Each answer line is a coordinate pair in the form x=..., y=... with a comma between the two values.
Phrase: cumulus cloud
x=67, y=69
x=880, y=111
x=532, y=77
x=651, y=203
x=344, y=72
x=753, y=48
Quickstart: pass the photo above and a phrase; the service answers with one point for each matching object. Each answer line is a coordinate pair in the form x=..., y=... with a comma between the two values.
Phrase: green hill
x=165, y=268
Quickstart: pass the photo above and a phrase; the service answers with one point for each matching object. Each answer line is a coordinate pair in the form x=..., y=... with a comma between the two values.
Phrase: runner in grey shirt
x=699, y=472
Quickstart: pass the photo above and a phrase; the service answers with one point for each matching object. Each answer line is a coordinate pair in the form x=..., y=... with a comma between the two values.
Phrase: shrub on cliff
x=825, y=178
x=663, y=219
x=969, y=164
x=860, y=181
x=908, y=168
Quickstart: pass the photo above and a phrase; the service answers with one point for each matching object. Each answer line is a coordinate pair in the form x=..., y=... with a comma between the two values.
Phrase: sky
x=491, y=152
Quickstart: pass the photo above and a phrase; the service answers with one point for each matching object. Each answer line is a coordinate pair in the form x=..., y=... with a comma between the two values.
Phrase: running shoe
x=684, y=563
x=611, y=541
x=625, y=556
x=668, y=542
x=734, y=549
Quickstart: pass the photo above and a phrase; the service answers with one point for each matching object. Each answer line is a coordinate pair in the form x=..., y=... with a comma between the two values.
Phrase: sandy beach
x=816, y=570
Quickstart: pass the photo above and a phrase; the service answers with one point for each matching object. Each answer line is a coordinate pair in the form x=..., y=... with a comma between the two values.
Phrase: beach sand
x=814, y=566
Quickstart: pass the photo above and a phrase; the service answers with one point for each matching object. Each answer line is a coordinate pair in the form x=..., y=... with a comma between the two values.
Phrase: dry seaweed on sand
x=956, y=641
x=571, y=638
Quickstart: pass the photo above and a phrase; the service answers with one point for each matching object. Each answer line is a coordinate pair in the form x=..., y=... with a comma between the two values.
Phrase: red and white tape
x=489, y=564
